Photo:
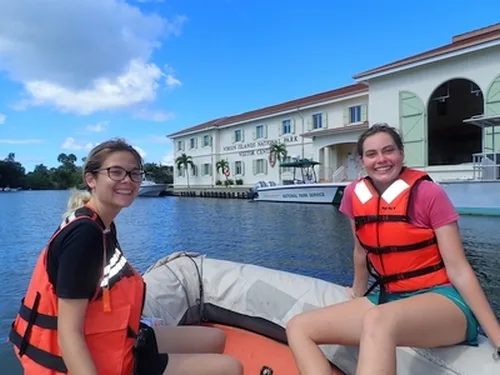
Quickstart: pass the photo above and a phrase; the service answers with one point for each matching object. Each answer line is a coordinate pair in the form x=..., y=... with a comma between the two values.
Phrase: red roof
x=286, y=106
x=459, y=42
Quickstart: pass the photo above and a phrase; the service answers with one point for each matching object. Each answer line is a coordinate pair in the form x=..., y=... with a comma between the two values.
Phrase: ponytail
x=77, y=200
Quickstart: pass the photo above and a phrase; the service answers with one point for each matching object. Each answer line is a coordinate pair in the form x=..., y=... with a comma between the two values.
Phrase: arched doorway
x=450, y=140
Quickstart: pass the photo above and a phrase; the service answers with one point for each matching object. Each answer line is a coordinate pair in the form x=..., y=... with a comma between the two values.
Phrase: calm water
x=311, y=240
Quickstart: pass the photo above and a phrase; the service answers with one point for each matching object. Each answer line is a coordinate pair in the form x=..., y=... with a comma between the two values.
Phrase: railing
x=486, y=166
x=339, y=174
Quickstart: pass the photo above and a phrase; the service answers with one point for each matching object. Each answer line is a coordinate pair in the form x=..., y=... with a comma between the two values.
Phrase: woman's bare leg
x=338, y=324
x=203, y=364
x=425, y=321
x=190, y=339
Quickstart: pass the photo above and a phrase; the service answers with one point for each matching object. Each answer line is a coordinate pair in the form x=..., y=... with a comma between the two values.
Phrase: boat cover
x=187, y=288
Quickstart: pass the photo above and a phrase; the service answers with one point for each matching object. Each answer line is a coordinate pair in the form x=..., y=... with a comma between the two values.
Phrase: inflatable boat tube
x=252, y=304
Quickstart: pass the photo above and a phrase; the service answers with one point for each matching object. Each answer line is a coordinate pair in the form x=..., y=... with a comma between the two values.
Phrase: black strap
x=37, y=319
x=43, y=358
x=411, y=274
x=367, y=219
x=399, y=248
x=384, y=280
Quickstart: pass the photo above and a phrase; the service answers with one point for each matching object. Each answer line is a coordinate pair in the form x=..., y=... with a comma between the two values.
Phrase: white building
x=427, y=96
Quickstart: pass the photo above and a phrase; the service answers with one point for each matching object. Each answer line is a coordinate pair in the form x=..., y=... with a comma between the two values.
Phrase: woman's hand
x=350, y=293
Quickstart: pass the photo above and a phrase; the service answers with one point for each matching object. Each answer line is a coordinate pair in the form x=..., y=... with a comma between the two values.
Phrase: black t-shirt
x=75, y=259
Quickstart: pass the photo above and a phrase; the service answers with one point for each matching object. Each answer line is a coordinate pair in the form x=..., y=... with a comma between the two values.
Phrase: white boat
x=253, y=304
x=151, y=189
x=301, y=189
x=480, y=193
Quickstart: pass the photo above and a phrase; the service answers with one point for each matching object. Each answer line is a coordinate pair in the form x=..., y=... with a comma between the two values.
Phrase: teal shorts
x=448, y=291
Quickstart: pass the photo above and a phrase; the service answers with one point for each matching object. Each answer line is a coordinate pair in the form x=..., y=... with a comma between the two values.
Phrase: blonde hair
x=94, y=161
x=77, y=200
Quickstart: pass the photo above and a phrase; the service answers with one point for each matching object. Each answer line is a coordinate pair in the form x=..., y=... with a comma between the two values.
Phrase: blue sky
x=75, y=73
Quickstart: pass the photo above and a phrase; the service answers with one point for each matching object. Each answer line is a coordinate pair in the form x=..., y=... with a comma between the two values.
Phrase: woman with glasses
x=82, y=311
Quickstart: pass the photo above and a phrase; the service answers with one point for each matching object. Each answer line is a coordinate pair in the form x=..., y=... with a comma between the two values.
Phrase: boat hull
x=151, y=190
x=325, y=193
x=189, y=289
x=474, y=197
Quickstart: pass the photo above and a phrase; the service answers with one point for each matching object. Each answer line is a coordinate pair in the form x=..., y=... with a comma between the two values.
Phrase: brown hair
x=95, y=159
x=380, y=127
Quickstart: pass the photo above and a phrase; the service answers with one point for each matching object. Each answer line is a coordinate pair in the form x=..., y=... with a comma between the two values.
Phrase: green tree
x=222, y=166
x=278, y=151
x=185, y=161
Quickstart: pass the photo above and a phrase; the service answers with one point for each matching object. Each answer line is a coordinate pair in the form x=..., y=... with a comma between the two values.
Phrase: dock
x=233, y=192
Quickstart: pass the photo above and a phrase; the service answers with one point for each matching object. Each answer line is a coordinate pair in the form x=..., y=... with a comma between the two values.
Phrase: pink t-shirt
x=430, y=208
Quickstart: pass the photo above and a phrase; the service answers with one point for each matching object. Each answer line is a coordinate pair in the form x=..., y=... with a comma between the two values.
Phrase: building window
x=355, y=114
x=206, y=140
x=260, y=166
x=179, y=145
x=206, y=169
x=192, y=143
x=237, y=136
x=180, y=171
x=287, y=126
x=238, y=168
x=259, y=132
x=317, y=121
x=194, y=170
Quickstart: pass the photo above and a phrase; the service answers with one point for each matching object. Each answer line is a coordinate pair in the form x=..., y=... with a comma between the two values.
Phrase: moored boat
x=151, y=189
x=253, y=304
x=302, y=188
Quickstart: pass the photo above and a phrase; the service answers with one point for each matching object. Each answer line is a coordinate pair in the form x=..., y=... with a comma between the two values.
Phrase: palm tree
x=278, y=152
x=186, y=162
x=222, y=166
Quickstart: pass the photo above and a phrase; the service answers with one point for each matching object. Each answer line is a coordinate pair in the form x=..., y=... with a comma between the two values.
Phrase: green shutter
x=492, y=109
x=363, y=113
x=412, y=128
x=346, y=117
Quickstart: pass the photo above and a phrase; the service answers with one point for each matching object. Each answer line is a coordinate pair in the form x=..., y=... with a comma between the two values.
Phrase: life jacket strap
x=384, y=280
x=399, y=248
x=37, y=355
x=368, y=219
x=37, y=319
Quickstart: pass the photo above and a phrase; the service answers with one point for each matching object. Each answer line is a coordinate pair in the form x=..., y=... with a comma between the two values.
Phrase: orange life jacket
x=400, y=256
x=111, y=321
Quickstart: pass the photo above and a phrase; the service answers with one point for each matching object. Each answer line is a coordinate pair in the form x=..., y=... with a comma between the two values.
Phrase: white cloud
x=92, y=55
x=20, y=141
x=70, y=144
x=140, y=151
x=97, y=128
x=2, y=118
x=156, y=116
x=170, y=79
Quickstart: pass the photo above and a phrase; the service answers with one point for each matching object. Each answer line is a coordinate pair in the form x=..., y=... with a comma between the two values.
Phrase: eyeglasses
x=119, y=174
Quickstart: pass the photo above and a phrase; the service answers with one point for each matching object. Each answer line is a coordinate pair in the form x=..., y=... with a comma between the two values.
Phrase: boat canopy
x=300, y=163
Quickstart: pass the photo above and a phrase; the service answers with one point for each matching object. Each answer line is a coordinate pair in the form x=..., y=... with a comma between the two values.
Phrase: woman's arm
x=74, y=268
x=464, y=279
x=70, y=325
x=361, y=275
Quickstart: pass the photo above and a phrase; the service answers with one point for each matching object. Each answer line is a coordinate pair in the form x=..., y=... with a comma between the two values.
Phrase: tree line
x=66, y=176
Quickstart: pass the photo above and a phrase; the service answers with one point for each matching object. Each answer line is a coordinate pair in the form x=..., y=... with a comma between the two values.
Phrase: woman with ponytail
x=82, y=311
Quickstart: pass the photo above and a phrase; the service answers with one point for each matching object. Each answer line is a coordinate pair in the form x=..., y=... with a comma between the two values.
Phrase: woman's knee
x=375, y=323
x=232, y=366
x=217, y=339
x=297, y=325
